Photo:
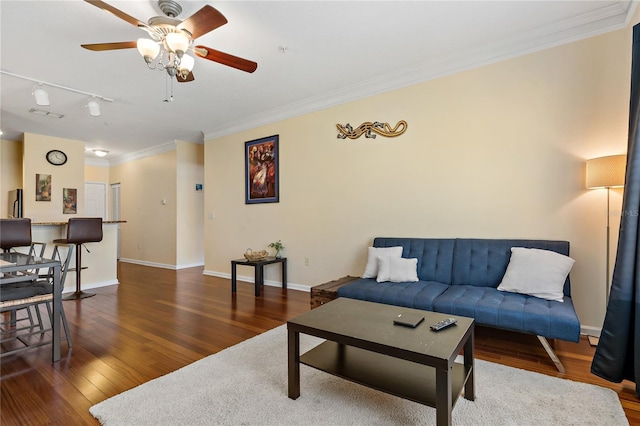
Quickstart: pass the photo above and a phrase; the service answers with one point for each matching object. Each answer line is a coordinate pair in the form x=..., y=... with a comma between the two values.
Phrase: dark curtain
x=618, y=353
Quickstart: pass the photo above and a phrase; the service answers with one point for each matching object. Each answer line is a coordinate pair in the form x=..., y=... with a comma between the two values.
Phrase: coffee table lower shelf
x=406, y=379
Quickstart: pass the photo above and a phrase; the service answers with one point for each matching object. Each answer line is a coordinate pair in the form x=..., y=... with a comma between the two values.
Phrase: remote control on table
x=444, y=323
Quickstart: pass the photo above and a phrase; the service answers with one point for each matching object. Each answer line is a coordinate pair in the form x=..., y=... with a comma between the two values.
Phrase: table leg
x=443, y=397
x=55, y=320
x=469, y=386
x=293, y=344
x=233, y=277
x=284, y=273
x=259, y=278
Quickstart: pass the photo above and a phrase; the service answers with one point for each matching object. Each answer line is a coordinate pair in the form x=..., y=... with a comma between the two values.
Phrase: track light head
x=41, y=95
x=94, y=107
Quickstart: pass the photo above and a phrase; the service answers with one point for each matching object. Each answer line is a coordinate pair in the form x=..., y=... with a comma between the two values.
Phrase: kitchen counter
x=101, y=259
x=65, y=223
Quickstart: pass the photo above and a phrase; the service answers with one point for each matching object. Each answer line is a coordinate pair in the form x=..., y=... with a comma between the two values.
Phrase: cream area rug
x=246, y=384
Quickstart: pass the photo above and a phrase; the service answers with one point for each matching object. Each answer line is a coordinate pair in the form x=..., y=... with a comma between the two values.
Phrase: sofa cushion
x=435, y=256
x=418, y=295
x=397, y=270
x=536, y=272
x=483, y=262
x=512, y=311
x=371, y=268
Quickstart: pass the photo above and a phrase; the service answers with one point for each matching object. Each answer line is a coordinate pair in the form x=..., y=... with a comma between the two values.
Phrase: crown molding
x=143, y=153
x=609, y=18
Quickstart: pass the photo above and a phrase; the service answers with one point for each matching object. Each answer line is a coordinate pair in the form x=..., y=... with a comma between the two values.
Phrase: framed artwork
x=69, y=201
x=43, y=187
x=261, y=170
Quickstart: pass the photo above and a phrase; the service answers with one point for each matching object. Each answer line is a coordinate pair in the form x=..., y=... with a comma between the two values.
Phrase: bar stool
x=81, y=230
x=17, y=233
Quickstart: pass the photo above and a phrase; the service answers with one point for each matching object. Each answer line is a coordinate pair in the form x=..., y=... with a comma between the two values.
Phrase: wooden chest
x=327, y=292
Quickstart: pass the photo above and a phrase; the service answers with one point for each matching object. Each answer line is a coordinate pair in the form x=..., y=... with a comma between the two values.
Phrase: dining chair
x=34, y=294
x=14, y=234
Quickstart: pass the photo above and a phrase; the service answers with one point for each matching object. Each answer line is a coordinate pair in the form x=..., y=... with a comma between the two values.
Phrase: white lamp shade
x=100, y=152
x=42, y=97
x=148, y=48
x=177, y=42
x=606, y=172
x=186, y=64
x=94, y=108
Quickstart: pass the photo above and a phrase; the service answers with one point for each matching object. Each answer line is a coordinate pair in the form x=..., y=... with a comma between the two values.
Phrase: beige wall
x=190, y=205
x=148, y=205
x=96, y=173
x=495, y=152
x=10, y=173
x=69, y=175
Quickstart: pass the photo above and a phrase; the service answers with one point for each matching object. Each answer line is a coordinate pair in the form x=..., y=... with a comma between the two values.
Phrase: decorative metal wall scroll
x=368, y=129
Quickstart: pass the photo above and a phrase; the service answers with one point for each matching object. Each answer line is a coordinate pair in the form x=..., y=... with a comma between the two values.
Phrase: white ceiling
x=334, y=52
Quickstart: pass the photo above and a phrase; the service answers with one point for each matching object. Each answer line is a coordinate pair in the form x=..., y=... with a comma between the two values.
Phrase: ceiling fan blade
x=99, y=47
x=187, y=79
x=205, y=20
x=225, y=59
x=117, y=12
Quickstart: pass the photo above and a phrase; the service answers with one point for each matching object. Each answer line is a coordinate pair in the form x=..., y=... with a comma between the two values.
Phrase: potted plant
x=278, y=247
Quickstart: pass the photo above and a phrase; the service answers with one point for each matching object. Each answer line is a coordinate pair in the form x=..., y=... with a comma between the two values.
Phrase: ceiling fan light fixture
x=41, y=95
x=149, y=49
x=186, y=65
x=94, y=108
x=177, y=43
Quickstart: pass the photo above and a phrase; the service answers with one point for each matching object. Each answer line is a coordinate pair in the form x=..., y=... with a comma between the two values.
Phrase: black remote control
x=443, y=324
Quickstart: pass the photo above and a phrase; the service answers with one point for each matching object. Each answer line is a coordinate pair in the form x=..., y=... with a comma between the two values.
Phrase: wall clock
x=56, y=157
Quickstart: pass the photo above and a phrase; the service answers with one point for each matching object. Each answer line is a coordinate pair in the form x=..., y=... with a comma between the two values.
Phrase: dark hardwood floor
x=159, y=320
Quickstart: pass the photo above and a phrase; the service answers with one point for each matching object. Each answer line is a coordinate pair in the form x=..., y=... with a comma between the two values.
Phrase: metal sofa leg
x=547, y=347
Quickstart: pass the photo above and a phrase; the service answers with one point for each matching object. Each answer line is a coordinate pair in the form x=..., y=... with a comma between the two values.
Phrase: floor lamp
x=606, y=173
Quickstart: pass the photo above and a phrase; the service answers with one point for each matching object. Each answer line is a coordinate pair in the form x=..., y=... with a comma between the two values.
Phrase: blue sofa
x=461, y=276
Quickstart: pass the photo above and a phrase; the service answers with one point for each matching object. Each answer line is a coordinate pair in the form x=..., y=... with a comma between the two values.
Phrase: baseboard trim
x=590, y=331
x=251, y=279
x=145, y=263
x=72, y=288
x=189, y=265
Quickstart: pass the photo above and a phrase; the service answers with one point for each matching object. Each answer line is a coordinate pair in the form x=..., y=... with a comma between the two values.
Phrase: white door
x=95, y=200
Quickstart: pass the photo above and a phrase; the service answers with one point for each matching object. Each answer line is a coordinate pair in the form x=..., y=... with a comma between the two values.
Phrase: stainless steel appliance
x=15, y=203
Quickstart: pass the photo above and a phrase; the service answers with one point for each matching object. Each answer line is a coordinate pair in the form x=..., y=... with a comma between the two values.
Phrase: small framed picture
x=43, y=187
x=261, y=170
x=69, y=201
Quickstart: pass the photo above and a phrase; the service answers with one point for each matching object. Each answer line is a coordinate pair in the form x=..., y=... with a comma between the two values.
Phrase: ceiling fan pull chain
x=168, y=83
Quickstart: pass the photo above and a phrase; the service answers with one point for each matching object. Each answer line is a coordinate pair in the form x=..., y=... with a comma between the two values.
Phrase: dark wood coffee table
x=364, y=346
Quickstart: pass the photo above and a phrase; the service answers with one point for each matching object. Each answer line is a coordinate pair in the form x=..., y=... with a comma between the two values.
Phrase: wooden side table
x=259, y=271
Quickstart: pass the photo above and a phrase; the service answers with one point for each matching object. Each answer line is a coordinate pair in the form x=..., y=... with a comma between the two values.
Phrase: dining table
x=19, y=267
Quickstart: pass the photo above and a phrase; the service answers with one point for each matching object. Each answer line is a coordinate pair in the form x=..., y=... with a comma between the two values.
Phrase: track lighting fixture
x=41, y=95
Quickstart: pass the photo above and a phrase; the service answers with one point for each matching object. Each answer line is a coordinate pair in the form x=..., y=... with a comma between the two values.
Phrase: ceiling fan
x=172, y=38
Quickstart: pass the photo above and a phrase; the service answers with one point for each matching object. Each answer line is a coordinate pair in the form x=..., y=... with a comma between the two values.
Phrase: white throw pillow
x=371, y=270
x=536, y=272
x=397, y=269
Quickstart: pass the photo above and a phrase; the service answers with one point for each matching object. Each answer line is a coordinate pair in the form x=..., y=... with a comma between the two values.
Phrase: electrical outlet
x=306, y=261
